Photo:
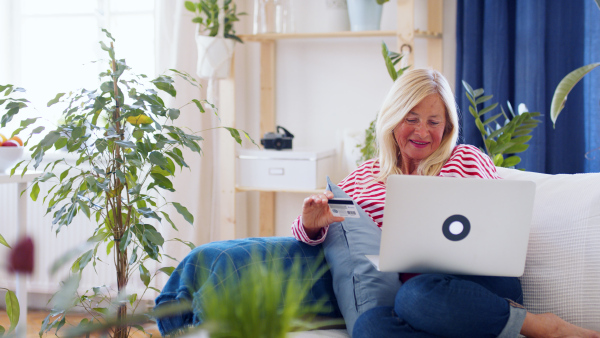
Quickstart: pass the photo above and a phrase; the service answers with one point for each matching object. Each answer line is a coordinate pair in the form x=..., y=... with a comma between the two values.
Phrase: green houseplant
x=271, y=302
x=215, y=36
x=368, y=149
x=509, y=137
x=207, y=17
x=128, y=149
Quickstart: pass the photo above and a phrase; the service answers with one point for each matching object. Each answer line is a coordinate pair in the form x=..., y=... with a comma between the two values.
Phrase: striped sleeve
x=468, y=161
x=361, y=187
x=300, y=234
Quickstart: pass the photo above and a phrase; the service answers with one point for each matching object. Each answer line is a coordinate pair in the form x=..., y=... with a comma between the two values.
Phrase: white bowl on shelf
x=9, y=156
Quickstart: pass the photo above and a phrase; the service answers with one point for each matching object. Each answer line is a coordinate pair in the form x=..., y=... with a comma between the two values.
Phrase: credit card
x=343, y=207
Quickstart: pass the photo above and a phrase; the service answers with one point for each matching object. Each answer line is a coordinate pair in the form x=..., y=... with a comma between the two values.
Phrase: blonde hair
x=408, y=91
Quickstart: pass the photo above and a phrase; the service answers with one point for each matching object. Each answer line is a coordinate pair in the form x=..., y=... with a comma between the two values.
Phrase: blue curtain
x=518, y=51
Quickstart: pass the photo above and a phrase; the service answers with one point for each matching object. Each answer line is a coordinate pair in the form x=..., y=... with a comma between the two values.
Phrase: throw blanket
x=217, y=261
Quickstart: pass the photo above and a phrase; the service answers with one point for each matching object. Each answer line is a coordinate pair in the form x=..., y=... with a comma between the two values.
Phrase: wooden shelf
x=405, y=35
x=343, y=34
x=303, y=191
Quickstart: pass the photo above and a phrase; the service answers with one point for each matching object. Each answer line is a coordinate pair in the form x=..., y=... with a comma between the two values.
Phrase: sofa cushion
x=562, y=271
x=357, y=284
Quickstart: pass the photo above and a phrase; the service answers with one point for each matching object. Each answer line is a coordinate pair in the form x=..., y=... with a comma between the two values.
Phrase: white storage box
x=284, y=169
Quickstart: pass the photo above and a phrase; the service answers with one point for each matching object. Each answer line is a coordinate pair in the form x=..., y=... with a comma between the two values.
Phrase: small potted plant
x=215, y=35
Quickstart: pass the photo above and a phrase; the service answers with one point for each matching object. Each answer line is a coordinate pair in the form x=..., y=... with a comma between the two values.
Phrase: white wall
x=325, y=88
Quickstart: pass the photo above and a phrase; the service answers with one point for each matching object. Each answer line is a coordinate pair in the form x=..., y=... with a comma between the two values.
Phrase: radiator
x=49, y=246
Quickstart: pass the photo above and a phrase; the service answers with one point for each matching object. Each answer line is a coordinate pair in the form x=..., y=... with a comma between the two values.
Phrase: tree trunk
x=121, y=261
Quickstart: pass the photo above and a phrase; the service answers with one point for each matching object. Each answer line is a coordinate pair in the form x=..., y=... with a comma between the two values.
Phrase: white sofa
x=562, y=272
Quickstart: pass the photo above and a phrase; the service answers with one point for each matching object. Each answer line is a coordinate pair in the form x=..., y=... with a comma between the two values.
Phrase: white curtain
x=196, y=188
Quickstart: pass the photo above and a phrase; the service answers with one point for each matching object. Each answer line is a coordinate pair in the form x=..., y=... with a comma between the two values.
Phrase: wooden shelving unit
x=405, y=35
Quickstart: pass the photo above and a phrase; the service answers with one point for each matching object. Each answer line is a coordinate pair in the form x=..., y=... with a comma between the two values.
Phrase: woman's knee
x=421, y=294
x=369, y=323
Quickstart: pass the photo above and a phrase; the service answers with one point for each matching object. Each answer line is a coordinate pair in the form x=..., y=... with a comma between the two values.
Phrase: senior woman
x=417, y=131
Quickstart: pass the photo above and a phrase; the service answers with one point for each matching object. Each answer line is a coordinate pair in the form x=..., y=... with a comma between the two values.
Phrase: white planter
x=365, y=15
x=214, y=56
x=315, y=16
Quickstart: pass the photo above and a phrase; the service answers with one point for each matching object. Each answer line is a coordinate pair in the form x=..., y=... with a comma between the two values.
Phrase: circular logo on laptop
x=456, y=227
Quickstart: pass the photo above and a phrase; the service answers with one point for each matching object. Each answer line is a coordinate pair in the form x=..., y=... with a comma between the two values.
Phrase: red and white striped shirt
x=369, y=194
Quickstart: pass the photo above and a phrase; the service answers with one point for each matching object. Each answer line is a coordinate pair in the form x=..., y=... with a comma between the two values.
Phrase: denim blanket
x=212, y=262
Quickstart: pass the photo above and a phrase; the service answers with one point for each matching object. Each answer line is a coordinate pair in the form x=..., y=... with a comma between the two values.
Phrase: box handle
x=276, y=171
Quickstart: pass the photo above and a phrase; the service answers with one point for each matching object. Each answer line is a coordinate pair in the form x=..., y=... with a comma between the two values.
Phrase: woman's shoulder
x=366, y=171
x=467, y=161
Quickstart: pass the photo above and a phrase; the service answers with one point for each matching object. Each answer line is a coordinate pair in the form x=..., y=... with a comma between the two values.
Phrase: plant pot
x=365, y=15
x=214, y=56
x=315, y=16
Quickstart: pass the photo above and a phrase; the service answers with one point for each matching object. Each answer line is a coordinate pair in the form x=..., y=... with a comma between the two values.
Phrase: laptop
x=463, y=226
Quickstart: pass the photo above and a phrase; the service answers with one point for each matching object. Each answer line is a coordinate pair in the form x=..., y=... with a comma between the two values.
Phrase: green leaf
x=487, y=109
x=132, y=298
x=168, y=218
x=13, y=310
x=161, y=181
x=468, y=88
x=55, y=99
x=165, y=84
x=564, y=88
x=126, y=144
x=49, y=139
x=498, y=160
x=167, y=270
x=480, y=126
x=492, y=119
x=144, y=275
x=101, y=310
x=157, y=158
x=35, y=190
x=173, y=113
x=5, y=243
x=483, y=99
x=517, y=148
x=188, y=243
x=511, y=161
x=190, y=6
x=109, y=247
x=84, y=207
x=235, y=134
x=199, y=105
x=522, y=139
x=184, y=212
x=388, y=62
x=61, y=143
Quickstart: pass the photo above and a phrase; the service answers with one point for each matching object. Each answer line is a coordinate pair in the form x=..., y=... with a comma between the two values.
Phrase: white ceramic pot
x=315, y=16
x=365, y=15
x=9, y=156
x=214, y=56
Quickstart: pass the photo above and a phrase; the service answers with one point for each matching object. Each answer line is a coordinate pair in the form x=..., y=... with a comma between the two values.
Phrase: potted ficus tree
x=215, y=35
x=128, y=149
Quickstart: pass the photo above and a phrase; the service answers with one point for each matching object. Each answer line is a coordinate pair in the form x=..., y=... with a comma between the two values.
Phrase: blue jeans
x=437, y=305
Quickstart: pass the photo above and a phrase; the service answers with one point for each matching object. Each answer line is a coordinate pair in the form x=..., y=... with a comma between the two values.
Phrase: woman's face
x=420, y=133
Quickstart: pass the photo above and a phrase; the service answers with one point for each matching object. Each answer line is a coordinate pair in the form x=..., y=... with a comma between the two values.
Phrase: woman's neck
x=410, y=167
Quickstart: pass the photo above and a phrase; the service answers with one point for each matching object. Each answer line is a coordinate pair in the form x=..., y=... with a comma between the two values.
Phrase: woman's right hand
x=316, y=213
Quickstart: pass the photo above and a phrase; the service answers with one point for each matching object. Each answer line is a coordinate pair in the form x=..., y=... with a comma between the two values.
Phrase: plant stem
x=119, y=228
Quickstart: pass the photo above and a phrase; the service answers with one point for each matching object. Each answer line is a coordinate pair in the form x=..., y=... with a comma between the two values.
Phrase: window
x=53, y=45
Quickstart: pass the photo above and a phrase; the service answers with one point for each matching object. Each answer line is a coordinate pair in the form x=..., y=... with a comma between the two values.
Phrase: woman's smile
x=419, y=144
